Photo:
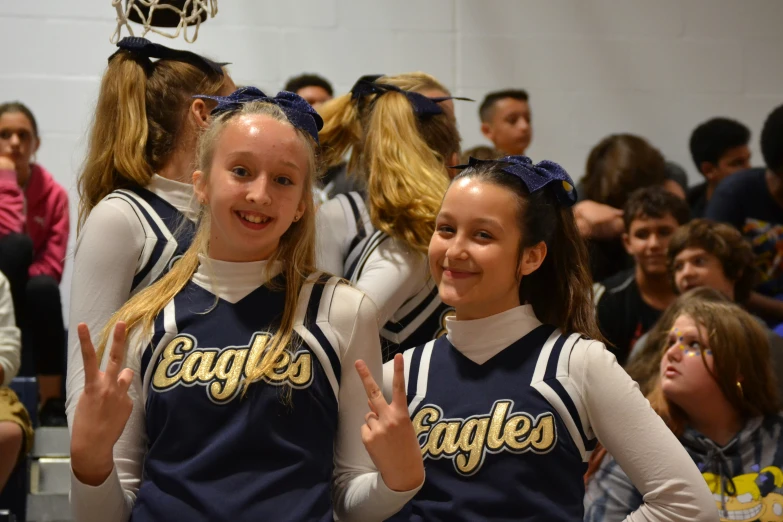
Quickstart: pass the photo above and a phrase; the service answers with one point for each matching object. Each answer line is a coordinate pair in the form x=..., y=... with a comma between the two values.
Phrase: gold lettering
x=171, y=355
x=206, y=370
x=543, y=435
x=422, y=421
x=279, y=371
x=495, y=437
x=256, y=352
x=228, y=372
x=301, y=371
x=471, y=442
x=194, y=360
x=517, y=429
x=466, y=441
x=223, y=371
x=435, y=445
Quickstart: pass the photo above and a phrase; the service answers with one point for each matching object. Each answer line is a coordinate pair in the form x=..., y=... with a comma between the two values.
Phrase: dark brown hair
x=654, y=202
x=620, y=164
x=21, y=107
x=561, y=290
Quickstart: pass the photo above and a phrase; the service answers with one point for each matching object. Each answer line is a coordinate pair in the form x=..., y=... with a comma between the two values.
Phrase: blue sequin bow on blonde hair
x=422, y=105
x=297, y=110
x=544, y=174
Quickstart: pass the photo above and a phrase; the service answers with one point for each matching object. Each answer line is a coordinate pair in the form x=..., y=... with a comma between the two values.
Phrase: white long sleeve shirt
x=110, y=251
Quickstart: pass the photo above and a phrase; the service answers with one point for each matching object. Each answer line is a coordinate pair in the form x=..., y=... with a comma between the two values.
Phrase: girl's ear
x=200, y=187
x=200, y=112
x=532, y=257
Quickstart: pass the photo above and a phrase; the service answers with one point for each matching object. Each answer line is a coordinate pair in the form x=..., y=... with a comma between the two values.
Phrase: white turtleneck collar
x=179, y=195
x=233, y=281
x=481, y=339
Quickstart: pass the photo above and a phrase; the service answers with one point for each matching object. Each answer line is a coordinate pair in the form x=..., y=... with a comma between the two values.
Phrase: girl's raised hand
x=388, y=432
x=103, y=409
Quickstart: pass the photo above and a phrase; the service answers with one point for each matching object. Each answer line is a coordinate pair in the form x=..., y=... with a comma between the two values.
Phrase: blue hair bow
x=534, y=176
x=422, y=105
x=297, y=110
x=146, y=49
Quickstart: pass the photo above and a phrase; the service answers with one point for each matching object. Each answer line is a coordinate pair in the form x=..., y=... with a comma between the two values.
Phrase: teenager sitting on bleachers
x=16, y=430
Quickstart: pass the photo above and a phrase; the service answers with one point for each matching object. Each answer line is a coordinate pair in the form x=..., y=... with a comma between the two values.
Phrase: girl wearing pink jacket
x=33, y=239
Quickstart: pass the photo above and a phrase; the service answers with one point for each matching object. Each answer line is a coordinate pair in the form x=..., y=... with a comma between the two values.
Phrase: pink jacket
x=44, y=218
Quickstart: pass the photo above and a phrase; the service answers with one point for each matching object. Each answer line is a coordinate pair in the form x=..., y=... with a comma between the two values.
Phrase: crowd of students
x=309, y=307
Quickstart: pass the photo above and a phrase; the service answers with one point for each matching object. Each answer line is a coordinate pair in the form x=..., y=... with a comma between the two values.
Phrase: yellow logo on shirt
x=467, y=441
x=223, y=371
x=753, y=496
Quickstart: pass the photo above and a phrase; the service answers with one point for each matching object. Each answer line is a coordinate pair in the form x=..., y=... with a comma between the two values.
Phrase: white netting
x=189, y=17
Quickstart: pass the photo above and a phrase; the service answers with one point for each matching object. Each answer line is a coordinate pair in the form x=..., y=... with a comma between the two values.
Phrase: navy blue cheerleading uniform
x=421, y=317
x=495, y=437
x=172, y=231
x=216, y=455
x=508, y=411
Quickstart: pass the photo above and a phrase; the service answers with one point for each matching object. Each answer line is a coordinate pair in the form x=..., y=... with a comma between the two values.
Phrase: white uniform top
x=391, y=275
x=110, y=250
x=610, y=408
x=359, y=491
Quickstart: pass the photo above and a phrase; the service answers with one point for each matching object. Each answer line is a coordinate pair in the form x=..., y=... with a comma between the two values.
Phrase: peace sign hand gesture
x=388, y=432
x=103, y=409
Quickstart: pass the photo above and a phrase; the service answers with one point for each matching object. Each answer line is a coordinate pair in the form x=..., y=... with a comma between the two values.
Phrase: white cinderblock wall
x=592, y=67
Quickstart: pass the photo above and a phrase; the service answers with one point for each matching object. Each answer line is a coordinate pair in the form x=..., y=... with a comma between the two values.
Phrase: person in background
x=16, y=429
x=716, y=391
x=752, y=202
x=719, y=148
x=34, y=228
x=616, y=167
x=629, y=303
x=481, y=152
x=137, y=208
x=403, y=136
x=314, y=88
x=506, y=121
x=712, y=255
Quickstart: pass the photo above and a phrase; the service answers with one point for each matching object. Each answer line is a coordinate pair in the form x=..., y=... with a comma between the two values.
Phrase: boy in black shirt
x=630, y=302
x=719, y=148
x=752, y=201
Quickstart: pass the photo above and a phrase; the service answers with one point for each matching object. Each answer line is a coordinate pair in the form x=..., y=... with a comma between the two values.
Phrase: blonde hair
x=296, y=251
x=343, y=131
x=137, y=123
x=400, y=156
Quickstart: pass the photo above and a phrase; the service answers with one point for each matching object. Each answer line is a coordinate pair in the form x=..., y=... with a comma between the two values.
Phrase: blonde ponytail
x=406, y=178
x=119, y=134
x=342, y=131
x=137, y=122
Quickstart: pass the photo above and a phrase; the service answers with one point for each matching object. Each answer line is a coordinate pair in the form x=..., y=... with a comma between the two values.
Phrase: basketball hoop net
x=150, y=13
